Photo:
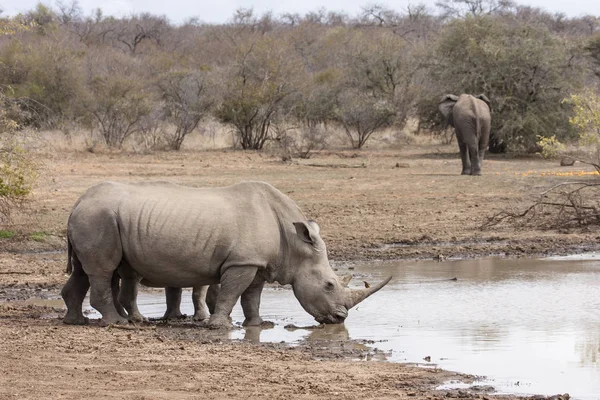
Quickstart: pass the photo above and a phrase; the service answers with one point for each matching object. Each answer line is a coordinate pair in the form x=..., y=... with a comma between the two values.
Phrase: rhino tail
x=73, y=262
x=69, y=254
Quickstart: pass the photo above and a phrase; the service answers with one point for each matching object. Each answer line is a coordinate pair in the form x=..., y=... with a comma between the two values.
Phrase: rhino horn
x=355, y=296
x=345, y=280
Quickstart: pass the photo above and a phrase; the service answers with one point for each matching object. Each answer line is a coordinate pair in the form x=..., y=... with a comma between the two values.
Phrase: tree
x=464, y=8
x=18, y=171
x=586, y=121
x=375, y=91
x=361, y=115
x=187, y=98
x=524, y=70
x=255, y=88
x=593, y=52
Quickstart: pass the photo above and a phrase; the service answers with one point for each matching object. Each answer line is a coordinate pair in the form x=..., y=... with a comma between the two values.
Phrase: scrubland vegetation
x=291, y=80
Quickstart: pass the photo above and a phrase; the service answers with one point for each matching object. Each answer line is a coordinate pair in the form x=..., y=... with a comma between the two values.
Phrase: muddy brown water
x=530, y=326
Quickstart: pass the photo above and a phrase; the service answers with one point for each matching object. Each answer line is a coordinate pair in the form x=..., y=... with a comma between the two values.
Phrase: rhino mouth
x=337, y=317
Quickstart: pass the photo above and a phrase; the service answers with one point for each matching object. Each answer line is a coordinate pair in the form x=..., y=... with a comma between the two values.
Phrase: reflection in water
x=536, y=322
x=336, y=332
x=252, y=333
x=589, y=348
x=332, y=333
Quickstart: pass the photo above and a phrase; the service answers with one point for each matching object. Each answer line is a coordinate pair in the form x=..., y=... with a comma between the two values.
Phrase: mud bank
x=42, y=358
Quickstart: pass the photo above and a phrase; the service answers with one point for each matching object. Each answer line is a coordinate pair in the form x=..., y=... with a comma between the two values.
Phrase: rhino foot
x=201, y=316
x=217, y=323
x=174, y=315
x=137, y=320
x=115, y=321
x=78, y=320
x=255, y=321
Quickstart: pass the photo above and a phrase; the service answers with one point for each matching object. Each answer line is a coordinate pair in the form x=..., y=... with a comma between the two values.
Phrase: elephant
x=239, y=236
x=471, y=119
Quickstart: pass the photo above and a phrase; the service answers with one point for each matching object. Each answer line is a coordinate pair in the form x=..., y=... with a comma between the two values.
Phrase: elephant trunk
x=355, y=296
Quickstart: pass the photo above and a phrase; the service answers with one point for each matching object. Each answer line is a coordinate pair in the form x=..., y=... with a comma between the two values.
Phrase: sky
x=220, y=11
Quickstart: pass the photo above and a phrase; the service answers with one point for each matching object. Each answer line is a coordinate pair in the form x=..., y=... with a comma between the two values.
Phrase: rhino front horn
x=355, y=296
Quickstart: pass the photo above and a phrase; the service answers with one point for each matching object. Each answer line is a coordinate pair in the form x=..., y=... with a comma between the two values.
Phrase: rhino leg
x=96, y=243
x=129, y=292
x=101, y=299
x=211, y=297
x=251, y=302
x=173, y=296
x=73, y=294
x=234, y=282
x=199, y=300
x=115, y=288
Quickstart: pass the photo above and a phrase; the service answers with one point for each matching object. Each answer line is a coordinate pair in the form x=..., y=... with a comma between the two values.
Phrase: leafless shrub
x=185, y=102
x=310, y=139
x=300, y=142
x=151, y=133
x=566, y=205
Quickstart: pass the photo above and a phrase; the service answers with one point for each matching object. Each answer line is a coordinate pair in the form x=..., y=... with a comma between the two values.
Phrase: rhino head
x=316, y=286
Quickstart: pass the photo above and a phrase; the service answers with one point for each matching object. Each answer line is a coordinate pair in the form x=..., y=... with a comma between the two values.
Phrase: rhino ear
x=308, y=231
x=446, y=104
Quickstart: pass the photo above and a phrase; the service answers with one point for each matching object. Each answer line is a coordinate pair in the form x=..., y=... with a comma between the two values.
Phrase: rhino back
x=174, y=235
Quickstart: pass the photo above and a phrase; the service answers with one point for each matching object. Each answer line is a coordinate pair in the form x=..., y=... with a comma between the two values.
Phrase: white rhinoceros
x=240, y=236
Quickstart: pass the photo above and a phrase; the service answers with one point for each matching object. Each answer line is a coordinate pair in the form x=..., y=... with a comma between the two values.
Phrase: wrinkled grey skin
x=471, y=119
x=204, y=299
x=240, y=236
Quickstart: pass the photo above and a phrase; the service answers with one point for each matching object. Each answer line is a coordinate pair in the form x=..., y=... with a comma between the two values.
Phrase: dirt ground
x=408, y=203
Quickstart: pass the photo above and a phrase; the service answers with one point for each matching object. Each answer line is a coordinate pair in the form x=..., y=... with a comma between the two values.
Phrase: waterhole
x=530, y=326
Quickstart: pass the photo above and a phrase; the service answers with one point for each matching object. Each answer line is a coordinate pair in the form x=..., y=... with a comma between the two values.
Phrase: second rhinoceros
x=240, y=236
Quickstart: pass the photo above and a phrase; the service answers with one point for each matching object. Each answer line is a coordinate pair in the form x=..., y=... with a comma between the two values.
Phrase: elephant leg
x=211, y=297
x=251, y=302
x=483, y=144
x=73, y=294
x=199, y=299
x=464, y=156
x=115, y=287
x=481, y=157
x=173, y=296
x=234, y=282
x=475, y=159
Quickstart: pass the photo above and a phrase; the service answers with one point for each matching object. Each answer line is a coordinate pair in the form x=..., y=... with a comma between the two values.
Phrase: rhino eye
x=329, y=285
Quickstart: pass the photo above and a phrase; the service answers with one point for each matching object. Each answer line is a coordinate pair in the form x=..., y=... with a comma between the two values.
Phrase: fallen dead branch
x=566, y=205
x=16, y=273
x=132, y=327
x=363, y=165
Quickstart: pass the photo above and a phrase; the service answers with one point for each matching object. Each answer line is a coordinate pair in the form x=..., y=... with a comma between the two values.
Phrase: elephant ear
x=485, y=99
x=446, y=105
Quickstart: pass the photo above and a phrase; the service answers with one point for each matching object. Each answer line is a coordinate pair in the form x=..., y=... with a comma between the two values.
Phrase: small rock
x=567, y=162
x=482, y=388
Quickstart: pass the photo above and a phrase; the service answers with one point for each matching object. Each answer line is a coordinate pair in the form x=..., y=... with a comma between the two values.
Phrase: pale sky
x=219, y=11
